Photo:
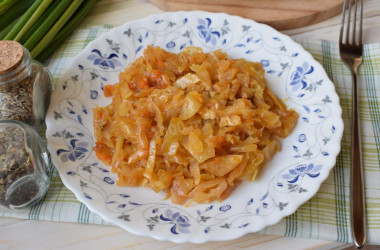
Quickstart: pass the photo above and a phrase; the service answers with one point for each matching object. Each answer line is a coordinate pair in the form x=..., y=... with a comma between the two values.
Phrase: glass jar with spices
x=23, y=164
x=25, y=85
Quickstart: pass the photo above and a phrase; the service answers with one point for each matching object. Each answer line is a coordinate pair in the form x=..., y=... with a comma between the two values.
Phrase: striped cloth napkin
x=327, y=215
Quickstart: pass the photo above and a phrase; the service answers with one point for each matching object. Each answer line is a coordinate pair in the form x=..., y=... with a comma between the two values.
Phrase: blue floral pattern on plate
x=308, y=153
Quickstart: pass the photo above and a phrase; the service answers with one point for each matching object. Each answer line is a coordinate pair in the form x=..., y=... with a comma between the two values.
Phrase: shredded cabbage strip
x=192, y=124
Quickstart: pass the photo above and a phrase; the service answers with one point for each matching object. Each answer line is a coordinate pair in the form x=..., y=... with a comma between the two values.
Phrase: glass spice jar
x=25, y=85
x=23, y=164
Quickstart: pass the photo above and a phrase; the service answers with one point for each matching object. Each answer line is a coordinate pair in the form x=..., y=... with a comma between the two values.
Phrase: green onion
x=67, y=30
x=33, y=18
x=45, y=26
x=8, y=28
x=41, y=25
x=14, y=12
x=55, y=29
x=39, y=22
x=18, y=26
x=5, y=5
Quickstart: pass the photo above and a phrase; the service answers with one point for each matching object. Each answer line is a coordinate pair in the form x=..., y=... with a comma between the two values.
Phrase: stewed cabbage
x=192, y=124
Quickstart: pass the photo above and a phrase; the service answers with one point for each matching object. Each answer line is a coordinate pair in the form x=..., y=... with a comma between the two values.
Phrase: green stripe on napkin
x=325, y=216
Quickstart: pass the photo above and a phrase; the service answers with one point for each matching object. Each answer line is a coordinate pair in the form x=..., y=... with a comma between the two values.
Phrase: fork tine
x=361, y=23
x=342, y=23
x=354, y=23
x=348, y=23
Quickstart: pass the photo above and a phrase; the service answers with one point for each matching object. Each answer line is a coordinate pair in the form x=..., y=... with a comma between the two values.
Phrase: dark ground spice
x=15, y=162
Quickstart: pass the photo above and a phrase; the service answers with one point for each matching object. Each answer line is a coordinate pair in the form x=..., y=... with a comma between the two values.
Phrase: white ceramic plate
x=291, y=178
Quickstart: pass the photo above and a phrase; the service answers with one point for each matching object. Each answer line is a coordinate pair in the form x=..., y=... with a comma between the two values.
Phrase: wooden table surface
x=53, y=235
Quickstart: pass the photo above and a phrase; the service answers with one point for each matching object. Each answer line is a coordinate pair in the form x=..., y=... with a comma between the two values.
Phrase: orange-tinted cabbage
x=193, y=124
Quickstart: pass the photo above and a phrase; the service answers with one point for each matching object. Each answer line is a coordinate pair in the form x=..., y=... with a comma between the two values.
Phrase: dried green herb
x=16, y=101
x=15, y=162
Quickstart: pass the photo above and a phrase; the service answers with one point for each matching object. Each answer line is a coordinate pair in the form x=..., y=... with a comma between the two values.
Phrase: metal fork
x=351, y=51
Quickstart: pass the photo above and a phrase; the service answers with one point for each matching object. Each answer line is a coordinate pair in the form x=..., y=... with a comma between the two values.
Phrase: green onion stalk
x=41, y=25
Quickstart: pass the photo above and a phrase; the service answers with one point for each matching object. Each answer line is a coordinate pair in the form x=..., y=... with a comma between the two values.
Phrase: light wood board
x=280, y=14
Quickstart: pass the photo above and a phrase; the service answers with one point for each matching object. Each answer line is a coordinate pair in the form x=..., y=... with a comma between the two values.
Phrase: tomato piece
x=108, y=90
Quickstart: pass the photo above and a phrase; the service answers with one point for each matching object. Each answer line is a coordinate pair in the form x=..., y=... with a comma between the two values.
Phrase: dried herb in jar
x=16, y=102
x=25, y=85
x=15, y=162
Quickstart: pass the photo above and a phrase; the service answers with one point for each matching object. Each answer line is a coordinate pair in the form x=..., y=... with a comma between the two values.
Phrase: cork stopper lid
x=11, y=56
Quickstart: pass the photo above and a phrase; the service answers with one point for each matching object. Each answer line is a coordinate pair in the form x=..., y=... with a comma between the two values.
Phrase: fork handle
x=358, y=217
